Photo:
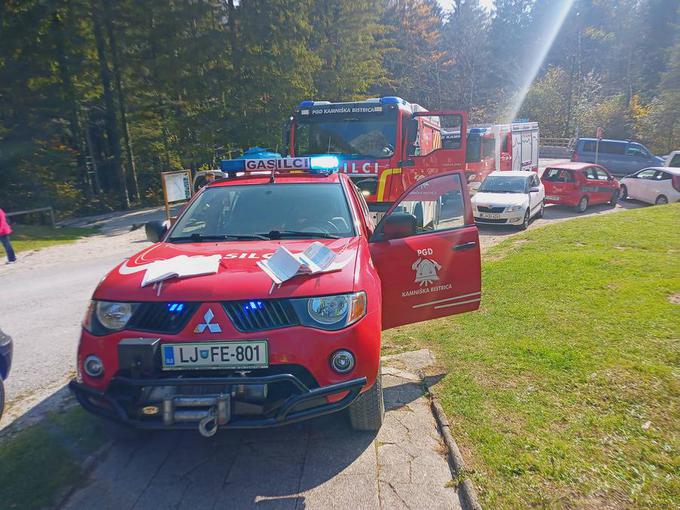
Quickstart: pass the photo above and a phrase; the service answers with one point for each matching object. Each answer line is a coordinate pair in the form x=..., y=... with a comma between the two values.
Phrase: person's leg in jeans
x=8, y=248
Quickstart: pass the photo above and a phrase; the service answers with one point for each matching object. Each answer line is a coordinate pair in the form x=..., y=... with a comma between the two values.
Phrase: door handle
x=465, y=246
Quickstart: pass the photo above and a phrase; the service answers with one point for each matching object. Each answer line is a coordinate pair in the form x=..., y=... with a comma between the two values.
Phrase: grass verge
x=36, y=463
x=563, y=390
x=33, y=237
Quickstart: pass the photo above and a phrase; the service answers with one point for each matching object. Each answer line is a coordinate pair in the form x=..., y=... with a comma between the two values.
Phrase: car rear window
x=675, y=162
x=558, y=175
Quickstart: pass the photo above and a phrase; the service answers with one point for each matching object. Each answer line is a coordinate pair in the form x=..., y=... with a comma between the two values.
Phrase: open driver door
x=426, y=251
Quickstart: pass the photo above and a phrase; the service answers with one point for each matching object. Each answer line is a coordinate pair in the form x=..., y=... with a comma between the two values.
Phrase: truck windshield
x=360, y=136
x=503, y=184
x=266, y=211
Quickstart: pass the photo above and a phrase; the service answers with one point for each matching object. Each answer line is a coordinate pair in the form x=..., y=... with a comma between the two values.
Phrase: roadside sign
x=176, y=188
x=600, y=133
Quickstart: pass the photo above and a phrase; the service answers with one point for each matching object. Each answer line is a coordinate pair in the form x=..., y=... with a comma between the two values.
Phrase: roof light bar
x=323, y=164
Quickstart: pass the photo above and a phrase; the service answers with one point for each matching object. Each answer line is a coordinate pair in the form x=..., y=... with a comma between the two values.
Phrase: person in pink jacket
x=5, y=231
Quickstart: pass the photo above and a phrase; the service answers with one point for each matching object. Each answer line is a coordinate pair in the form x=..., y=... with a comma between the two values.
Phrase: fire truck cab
x=384, y=144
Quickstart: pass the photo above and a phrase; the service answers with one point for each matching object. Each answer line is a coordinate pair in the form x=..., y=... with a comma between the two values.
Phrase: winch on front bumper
x=210, y=403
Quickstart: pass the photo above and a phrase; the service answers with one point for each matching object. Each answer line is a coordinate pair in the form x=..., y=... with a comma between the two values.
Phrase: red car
x=234, y=349
x=579, y=185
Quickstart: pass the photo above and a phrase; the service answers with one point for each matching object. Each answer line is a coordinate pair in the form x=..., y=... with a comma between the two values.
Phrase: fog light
x=93, y=366
x=342, y=361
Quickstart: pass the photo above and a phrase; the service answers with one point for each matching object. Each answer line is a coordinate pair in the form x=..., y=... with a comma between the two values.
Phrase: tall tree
x=344, y=37
x=109, y=102
x=415, y=59
x=122, y=100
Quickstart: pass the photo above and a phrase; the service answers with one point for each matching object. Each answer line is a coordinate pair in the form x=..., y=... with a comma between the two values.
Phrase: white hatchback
x=656, y=185
x=509, y=198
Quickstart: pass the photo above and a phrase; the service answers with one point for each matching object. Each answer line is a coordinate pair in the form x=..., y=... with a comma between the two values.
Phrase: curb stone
x=467, y=490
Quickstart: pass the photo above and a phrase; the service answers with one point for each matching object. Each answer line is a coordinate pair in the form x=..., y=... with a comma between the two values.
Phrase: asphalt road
x=43, y=298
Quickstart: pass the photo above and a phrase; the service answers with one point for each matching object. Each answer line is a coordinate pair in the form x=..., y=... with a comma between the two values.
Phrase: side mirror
x=535, y=189
x=155, y=230
x=399, y=224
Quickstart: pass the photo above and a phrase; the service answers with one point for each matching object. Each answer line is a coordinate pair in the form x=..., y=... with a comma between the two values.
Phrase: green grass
x=32, y=237
x=37, y=462
x=563, y=390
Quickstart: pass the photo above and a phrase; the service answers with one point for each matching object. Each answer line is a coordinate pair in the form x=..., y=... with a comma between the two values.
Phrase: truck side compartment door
x=432, y=268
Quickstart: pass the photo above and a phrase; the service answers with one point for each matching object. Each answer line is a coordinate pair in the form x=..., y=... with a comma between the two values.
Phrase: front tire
x=525, y=223
x=368, y=410
x=661, y=200
x=582, y=205
x=614, y=199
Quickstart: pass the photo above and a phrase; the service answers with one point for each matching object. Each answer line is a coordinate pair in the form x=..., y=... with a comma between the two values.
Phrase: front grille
x=482, y=208
x=261, y=315
x=162, y=317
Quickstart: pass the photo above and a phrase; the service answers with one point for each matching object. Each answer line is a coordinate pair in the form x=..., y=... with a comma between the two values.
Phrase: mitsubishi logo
x=212, y=327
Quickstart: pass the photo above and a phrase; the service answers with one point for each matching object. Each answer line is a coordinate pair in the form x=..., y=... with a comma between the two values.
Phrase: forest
x=98, y=97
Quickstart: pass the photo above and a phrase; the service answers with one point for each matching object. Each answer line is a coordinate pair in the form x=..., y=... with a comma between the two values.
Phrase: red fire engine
x=384, y=144
x=494, y=147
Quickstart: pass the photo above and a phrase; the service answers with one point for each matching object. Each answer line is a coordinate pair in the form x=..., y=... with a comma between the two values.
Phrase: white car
x=672, y=160
x=509, y=198
x=656, y=185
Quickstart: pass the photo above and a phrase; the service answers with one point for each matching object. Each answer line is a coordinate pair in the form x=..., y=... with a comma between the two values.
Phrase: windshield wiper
x=280, y=234
x=201, y=238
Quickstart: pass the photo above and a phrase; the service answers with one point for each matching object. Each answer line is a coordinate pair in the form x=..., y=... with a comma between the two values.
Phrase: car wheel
x=2, y=397
x=623, y=194
x=615, y=198
x=661, y=200
x=582, y=205
x=525, y=223
x=368, y=410
x=542, y=211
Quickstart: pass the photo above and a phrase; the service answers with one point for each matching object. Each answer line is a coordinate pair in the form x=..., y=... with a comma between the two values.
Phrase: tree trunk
x=71, y=101
x=122, y=101
x=110, y=114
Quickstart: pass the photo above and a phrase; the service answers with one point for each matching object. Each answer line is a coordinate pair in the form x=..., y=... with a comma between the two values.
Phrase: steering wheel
x=327, y=227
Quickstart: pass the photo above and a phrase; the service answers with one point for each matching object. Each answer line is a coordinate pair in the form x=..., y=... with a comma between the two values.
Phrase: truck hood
x=500, y=199
x=238, y=276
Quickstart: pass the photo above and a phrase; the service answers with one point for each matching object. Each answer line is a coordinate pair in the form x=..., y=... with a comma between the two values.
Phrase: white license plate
x=490, y=216
x=552, y=197
x=215, y=355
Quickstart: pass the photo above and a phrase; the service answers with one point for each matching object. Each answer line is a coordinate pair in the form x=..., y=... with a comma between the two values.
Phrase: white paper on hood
x=284, y=265
x=181, y=266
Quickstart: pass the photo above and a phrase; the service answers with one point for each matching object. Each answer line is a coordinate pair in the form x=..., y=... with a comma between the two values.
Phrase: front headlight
x=328, y=309
x=331, y=312
x=106, y=316
x=513, y=208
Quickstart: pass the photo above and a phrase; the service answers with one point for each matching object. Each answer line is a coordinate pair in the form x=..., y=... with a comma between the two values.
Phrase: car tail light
x=676, y=182
x=574, y=156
